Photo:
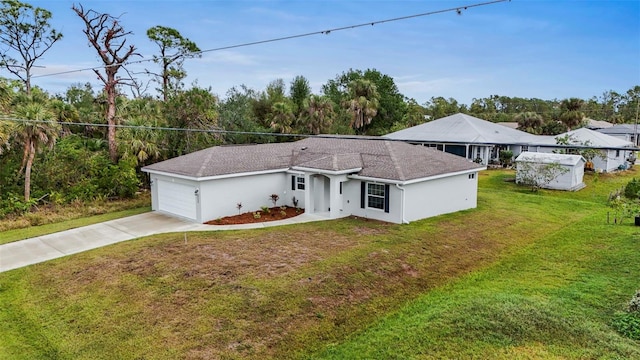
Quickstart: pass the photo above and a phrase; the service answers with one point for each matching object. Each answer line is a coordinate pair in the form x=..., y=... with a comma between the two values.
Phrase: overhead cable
x=458, y=10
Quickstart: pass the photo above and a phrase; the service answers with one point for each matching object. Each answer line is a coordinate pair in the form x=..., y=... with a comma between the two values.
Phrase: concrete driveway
x=42, y=248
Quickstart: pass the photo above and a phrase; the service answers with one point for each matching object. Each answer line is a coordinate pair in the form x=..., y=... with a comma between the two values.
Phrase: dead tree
x=108, y=37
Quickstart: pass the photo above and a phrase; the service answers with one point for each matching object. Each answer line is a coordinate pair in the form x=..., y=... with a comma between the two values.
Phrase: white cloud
x=227, y=57
x=435, y=85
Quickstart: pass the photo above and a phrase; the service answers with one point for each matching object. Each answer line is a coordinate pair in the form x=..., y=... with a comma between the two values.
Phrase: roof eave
x=417, y=180
x=215, y=177
x=328, y=172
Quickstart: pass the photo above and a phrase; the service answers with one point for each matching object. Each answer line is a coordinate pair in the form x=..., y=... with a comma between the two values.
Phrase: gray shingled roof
x=382, y=159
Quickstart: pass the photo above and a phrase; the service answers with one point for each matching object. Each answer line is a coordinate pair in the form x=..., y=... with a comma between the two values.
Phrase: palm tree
x=5, y=127
x=64, y=113
x=5, y=96
x=318, y=113
x=282, y=117
x=140, y=143
x=572, y=115
x=5, y=134
x=41, y=131
x=363, y=102
x=529, y=121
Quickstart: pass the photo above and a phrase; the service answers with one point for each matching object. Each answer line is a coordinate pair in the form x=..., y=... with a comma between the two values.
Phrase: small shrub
x=627, y=324
x=538, y=176
x=256, y=215
x=265, y=209
x=34, y=219
x=283, y=213
x=295, y=202
x=274, y=199
x=632, y=189
x=239, y=207
x=505, y=157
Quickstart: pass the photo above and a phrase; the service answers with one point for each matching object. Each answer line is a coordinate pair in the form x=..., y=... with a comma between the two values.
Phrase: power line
x=458, y=10
x=162, y=128
x=324, y=136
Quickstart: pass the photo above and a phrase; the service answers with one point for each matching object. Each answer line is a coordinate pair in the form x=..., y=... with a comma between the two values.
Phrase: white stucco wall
x=420, y=200
x=219, y=197
x=611, y=161
x=351, y=203
x=440, y=196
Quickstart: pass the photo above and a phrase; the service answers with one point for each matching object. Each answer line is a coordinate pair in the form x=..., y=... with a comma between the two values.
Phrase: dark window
x=472, y=176
x=300, y=182
x=375, y=196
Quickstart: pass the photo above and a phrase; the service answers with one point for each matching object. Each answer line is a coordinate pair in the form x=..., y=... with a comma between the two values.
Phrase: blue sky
x=525, y=48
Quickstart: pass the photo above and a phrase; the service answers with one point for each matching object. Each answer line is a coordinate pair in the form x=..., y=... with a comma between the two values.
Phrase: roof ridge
x=469, y=120
x=205, y=163
x=394, y=159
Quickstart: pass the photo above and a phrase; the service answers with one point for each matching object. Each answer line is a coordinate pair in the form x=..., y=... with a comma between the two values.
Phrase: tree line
x=91, y=143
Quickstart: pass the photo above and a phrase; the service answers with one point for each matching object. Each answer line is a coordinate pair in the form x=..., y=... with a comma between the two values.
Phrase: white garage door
x=177, y=198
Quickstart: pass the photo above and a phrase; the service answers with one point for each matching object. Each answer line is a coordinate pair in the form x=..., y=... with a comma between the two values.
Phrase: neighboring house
x=510, y=124
x=467, y=136
x=534, y=166
x=615, y=152
x=335, y=177
x=597, y=124
x=627, y=132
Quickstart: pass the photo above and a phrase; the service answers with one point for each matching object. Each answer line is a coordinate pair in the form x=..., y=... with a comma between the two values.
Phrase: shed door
x=177, y=198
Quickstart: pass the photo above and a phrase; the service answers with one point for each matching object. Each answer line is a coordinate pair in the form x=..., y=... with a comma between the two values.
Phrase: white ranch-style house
x=334, y=177
x=481, y=141
x=467, y=136
x=614, y=153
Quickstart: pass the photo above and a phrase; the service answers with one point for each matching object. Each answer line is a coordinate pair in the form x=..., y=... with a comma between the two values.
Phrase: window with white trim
x=300, y=182
x=375, y=196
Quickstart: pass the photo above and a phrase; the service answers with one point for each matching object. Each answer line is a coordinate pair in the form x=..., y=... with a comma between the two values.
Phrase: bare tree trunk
x=165, y=81
x=111, y=121
x=25, y=156
x=27, y=171
x=108, y=37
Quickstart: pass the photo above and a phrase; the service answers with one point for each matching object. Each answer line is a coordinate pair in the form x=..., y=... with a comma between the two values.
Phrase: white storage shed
x=534, y=165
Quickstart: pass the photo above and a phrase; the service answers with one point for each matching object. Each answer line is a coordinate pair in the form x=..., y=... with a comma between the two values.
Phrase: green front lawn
x=523, y=276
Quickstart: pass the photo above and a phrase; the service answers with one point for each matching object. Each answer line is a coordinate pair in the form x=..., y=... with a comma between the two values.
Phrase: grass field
x=523, y=276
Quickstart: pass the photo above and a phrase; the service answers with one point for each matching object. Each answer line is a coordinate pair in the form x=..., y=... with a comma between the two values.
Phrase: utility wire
x=458, y=10
x=141, y=127
x=323, y=136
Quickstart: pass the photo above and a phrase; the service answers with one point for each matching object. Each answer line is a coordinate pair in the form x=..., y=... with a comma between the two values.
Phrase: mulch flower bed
x=275, y=213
